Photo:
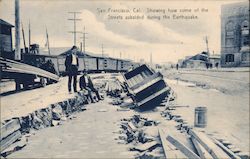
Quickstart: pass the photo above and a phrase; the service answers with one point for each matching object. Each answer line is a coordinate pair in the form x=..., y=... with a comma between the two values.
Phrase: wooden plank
x=198, y=148
x=205, y=152
x=208, y=144
x=184, y=149
x=9, y=128
x=146, y=146
x=132, y=126
x=170, y=150
x=224, y=148
x=5, y=143
x=13, y=66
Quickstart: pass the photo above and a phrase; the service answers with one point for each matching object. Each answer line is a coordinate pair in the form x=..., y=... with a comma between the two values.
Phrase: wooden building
x=6, y=49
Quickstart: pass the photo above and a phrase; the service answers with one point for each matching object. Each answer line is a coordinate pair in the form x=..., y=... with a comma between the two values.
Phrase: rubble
x=134, y=131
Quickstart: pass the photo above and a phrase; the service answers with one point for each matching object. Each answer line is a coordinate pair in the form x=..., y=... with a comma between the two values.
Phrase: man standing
x=71, y=64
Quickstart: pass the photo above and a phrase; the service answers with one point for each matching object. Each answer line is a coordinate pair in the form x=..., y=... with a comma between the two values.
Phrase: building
x=235, y=35
x=6, y=49
x=200, y=60
x=215, y=60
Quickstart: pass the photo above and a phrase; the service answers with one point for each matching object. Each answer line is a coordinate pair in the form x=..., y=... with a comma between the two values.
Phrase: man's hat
x=74, y=47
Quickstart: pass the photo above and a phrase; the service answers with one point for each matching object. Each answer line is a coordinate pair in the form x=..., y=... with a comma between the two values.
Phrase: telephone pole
x=84, y=40
x=74, y=20
x=24, y=43
x=206, y=40
x=17, y=31
x=47, y=37
x=29, y=36
x=102, y=51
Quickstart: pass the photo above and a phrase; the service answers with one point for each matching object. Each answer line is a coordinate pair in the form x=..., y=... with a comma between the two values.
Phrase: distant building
x=214, y=60
x=6, y=49
x=235, y=35
x=197, y=61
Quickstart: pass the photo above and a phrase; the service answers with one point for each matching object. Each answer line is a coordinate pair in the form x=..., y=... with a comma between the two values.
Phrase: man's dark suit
x=88, y=86
x=72, y=71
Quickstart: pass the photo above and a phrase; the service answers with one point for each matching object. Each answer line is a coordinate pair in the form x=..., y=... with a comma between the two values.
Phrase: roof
x=214, y=56
x=2, y=22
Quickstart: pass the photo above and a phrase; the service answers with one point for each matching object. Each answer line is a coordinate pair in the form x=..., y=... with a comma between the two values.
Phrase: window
x=229, y=33
x=245, y=33
x=229, y=26
x=229, y=58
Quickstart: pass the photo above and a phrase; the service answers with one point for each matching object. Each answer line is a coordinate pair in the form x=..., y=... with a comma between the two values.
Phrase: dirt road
x=228, y=112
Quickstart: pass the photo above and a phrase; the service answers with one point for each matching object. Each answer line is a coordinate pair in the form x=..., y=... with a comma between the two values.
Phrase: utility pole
x=84, y=40
x=24, y=43
x=17, y=31
x=206, y=40
x=74, y=20
x=47, y=37
x=102, y=51
x=81, y=46
x=29, y=36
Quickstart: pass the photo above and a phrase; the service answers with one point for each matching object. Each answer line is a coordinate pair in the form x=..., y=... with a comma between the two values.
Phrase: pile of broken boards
x=141, y=133
x=189, y=142
x=114, y=88
x=195, y=144
x=15, y=132
x=116, y=91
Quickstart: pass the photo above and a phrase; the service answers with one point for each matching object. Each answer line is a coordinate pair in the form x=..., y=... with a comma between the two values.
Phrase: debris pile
x=144, y=141
x=114, y=88
x=197, y=143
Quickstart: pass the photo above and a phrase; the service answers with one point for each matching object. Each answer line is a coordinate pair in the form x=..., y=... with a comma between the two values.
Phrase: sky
x=167, y=39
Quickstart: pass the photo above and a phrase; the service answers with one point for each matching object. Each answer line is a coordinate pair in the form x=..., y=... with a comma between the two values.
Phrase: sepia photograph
x=124, y=79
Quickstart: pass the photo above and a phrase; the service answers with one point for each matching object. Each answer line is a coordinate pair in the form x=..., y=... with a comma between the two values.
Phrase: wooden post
x=24, y=44
x=29, y=36
x=17, y=31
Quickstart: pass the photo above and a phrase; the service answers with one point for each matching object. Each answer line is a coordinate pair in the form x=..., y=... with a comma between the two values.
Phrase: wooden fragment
x=179, y=106
x=9, y=128
x=230, y=146
x=12, y=148
x=18, y=67
x=198, y=148
x=165, y=144
x=224, y=148
x=5, y=143
x=208, y=144
x=225, y=142
x=202, y=149
x=184, y=149
x=170, y=150
x=235, y=150
x=132, y=126
x=146, y=146
x=168, y=100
